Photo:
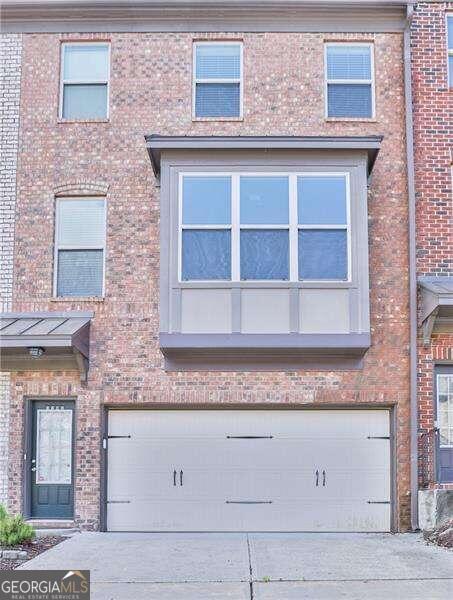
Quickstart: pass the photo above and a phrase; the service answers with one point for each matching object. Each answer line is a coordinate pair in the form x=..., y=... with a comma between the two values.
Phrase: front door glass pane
x=53, y=446
x=445, y=408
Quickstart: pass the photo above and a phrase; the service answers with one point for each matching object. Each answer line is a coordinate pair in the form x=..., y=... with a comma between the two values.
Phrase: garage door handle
x=174, y=477
x=317, y=477
x=180, y=477
x=324, y=479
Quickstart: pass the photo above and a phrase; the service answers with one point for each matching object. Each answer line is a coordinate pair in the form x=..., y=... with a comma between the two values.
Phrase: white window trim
x=58, y=246
x=293, y=226
x=239, y=79
x=438, y=375
x=448, y=17
x=370, y=81
x=63, y=81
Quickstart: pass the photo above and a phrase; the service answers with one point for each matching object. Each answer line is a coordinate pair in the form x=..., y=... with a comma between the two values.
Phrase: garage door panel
x=249, y=470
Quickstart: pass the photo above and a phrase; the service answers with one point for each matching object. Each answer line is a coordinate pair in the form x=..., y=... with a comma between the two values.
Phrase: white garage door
x=230, y=470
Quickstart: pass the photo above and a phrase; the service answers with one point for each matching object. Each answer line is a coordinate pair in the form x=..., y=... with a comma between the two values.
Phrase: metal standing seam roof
x=44, y=329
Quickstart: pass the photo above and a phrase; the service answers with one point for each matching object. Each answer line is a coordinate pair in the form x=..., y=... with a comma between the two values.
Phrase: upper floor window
x=264, y=227
x=349, y=80
x=450, y=48
x=80, y=247
x=84, y=80
x=217, y=80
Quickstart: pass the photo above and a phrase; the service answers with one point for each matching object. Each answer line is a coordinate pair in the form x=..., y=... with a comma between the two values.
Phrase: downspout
x=412, y=271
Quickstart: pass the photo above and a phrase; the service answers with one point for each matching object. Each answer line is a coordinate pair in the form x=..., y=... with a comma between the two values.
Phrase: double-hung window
x=349, y=80
x=84, y=88
x=273, y=226
x=217, y=82
x=80, y=247
x=450, y=48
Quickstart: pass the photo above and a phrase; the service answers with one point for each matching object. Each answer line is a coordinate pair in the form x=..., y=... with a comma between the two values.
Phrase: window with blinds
x=217, y=82
x=80, y=247
x=349, y=81
x=84, y=80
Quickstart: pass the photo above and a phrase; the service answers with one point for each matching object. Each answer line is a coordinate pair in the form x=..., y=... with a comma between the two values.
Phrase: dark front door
x=52, y=479
x=444, y=396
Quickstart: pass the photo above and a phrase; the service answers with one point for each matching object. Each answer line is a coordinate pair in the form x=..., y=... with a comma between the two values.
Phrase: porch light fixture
x=36, y=351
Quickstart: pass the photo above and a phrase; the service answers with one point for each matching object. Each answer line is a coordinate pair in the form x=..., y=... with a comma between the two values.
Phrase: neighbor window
x=349, y=81
x=282, y=227
x=80, y=247
x=445, y=408
x=217, y=80
x=84, y=81
x=450, y=48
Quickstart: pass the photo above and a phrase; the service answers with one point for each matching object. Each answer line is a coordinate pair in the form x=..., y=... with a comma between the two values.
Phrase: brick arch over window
x=82, y=188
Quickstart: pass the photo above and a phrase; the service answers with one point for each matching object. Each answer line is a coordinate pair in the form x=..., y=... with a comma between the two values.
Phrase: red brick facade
x=433, y=130
x=151, y=93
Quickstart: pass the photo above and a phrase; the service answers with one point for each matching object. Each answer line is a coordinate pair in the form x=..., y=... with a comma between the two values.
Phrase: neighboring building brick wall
x=10, y=59
x=151, y=93
x=433, y=135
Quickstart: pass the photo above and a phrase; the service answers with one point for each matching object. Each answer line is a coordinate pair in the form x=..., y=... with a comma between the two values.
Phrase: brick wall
x=151, y=93
x=10, y=59
x=433, y=132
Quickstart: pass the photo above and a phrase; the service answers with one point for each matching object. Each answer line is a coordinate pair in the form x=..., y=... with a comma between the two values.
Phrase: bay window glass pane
x=206, y=254
x=86, y=62
x=85, y=101
x=218, y=61
x=264, y=200
x=348, y=62
x=81, y=222
x=349, y=100
x=264, y=254
x=450, y=32
x=217, y=100
x=323, y=254
x=80, y=272
x=206, y=201
x=321, y=200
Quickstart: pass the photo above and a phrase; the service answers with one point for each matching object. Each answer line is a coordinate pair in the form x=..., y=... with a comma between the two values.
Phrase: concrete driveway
x=214, y=566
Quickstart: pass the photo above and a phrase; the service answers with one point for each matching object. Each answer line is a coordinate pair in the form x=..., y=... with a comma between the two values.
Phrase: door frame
x=106, y=408
x=28, y=450
x=438, y=369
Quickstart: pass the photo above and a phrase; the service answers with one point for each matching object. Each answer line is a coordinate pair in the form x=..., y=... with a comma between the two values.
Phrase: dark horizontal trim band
x=378, y=501
x=250, y=437
x=156, y=143
x=248, y=501
x=378, y=437
x=118, y=501
x=116, y=437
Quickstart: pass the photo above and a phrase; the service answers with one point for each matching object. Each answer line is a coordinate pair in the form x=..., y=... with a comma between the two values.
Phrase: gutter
x=412, y=271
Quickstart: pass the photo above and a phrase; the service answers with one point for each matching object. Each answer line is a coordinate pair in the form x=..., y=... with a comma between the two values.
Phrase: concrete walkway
x=215, y=566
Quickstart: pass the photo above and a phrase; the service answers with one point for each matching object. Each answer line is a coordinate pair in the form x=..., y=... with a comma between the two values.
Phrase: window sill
x=351, y=119
x=211, y=119
x=97, y=299
x=81, y=121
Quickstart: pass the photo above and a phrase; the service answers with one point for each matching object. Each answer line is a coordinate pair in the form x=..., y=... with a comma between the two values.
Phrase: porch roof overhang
x=436, y=304
x=157, y=143
x=63, y=336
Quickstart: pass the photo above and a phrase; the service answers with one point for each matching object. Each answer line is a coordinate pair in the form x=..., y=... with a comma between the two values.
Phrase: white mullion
x=351, y=81
x=265, y=226
x=206, y=226
x=235, y=228
x=217, y=80
x=293, y=230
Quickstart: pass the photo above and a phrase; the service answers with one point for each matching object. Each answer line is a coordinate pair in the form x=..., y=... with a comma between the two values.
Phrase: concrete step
x=49, y=527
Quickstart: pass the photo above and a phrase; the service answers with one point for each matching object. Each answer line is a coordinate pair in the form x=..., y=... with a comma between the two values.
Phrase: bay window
x=265, y=226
